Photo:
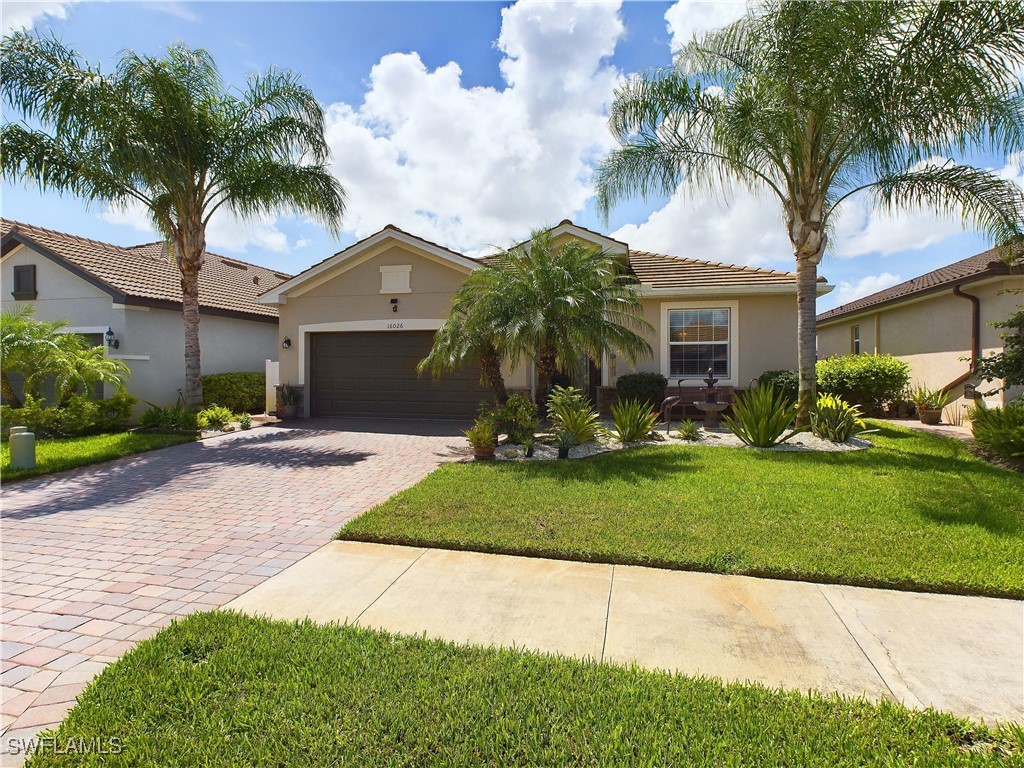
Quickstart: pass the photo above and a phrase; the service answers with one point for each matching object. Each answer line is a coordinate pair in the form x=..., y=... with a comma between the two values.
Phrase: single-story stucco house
x=938, y=323
x=353, y=326
x=135, y=293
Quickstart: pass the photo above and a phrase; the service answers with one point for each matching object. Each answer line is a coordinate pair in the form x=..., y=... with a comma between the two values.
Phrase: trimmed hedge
x=869, y=381
x=642, y=386
x=78, y=415
x=243, y=392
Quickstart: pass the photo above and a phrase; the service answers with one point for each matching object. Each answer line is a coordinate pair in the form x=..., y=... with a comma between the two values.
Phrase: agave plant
x=570, y=412
x=836, y=420
x=633, y=420
x=760, y=418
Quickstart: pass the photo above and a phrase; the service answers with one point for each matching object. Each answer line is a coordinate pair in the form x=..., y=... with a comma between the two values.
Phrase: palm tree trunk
x=191, y=245
x=490, y=364
x=546, y=363
x=7, y=389
x=807, y=330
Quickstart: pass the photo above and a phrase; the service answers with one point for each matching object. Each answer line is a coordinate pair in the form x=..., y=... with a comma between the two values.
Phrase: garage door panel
x=374, y=374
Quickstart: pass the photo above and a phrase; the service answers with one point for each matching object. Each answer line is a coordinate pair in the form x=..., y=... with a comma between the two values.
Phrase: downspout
x=975, y=338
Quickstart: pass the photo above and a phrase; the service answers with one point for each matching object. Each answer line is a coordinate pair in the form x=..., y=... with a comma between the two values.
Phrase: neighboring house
x=938, y=323
x=135, y=293
x=354, y=326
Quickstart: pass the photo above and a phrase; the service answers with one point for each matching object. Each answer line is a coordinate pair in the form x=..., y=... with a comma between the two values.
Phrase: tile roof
x=661, y=271
x=973, y=268
x=143, y=273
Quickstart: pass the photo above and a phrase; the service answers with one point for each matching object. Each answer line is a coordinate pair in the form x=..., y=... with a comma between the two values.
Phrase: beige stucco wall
x=764, y=330
x=152, y=341
x=933, y=334
x=353, y=295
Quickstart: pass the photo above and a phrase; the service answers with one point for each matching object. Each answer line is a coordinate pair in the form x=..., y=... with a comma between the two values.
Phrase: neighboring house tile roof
x=661, y=271
x=978, y=267
x=142, y=274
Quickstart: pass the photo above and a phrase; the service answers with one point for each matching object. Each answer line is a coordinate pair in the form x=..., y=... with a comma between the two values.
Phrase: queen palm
x=812, y=103
x=166, y=134
x=557, y=305
x=472, y=333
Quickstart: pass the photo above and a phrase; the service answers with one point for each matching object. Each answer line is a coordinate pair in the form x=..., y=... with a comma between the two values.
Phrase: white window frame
x=666, y=344
x=396, y=279
x=855, y=342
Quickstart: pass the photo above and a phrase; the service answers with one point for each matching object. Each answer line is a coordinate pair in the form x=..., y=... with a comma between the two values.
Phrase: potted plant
x=483, y=436
x=929, y=403
x=287, y=403
x=564, y=442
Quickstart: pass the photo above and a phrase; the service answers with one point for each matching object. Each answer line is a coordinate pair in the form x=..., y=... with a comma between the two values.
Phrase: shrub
x=1000, y=430
x=179, y=418
x=836, y=420
x=245, y=422
x=243, y=392
x=570, y=411
x=785, y=383
x=78, y=415
x=214, y=417
x=760, y=418
x=633, y=420
x=868, y=380
x=688, y=430
x=649, y=387
x=517, y=418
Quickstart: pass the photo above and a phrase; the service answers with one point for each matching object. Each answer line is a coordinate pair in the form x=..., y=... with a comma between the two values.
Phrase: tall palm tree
x=472, y=333
x=166, y=133
x=813, y=102
x=37, y=350
x=557, y=305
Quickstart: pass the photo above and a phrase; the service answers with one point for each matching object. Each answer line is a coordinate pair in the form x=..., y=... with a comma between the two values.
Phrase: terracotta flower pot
x=483, y=452
x=930, y=416
x=286, y=411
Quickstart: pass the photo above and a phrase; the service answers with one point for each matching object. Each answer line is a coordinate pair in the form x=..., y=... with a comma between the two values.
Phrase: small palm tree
x=38, y=350
x=556, y=306
x=811, y=103
x=472, y=333
x=166, y=134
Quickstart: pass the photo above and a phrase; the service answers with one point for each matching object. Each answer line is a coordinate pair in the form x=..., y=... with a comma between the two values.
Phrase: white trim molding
x=351, y=326
x=664, y=356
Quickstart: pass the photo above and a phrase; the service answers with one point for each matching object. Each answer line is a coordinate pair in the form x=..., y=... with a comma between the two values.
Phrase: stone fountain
x=710, y=404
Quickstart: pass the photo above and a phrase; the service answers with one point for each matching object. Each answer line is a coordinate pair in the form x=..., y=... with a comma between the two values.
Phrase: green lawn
x=914, y=512
x=221, y=689
x=67, y=453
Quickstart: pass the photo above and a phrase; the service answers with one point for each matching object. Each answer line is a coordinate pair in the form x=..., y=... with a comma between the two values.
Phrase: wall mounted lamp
x=394, y=305
x=287, y=343
x=110, y=339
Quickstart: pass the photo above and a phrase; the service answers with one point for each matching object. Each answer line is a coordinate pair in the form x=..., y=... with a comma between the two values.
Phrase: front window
x=698, y=340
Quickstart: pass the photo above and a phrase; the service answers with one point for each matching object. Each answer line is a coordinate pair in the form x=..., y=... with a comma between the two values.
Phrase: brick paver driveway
x=101, y=557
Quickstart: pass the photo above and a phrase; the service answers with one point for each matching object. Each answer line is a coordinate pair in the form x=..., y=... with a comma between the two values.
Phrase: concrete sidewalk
x=960, y=654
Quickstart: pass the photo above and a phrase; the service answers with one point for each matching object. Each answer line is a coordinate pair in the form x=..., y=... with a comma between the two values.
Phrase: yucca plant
x=688, y=430
x=836, y=420
x=633, y=420
x=760, y=418
x=570, y=411
x=1000, y=430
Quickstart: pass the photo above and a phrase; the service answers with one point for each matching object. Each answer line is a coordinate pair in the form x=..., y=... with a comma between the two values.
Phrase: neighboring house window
x=24, y=282
x=395, y=279
x=855, y=340
x=698, y=340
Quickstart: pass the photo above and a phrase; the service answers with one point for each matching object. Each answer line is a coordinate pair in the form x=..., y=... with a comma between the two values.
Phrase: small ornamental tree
x=1007, y=365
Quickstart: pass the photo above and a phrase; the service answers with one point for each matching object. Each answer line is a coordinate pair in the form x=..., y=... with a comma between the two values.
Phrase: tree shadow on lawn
x=126, y=479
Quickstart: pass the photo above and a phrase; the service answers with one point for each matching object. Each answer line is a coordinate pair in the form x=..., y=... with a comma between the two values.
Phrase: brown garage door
x=374, y=374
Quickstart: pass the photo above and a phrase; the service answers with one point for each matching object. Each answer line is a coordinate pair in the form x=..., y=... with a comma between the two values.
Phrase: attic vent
x=395, y=279
x=255, y=279
x=235, y=264
x=279, y=276
x=24, y=282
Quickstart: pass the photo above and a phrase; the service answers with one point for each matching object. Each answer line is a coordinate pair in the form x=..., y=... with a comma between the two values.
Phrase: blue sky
x=468, y=123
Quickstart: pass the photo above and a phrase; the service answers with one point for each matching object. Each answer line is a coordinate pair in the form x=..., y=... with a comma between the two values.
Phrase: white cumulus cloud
x=225, y=231
x=18, y=14
x=692, y=17
x=472, y=167
x=847, y=291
